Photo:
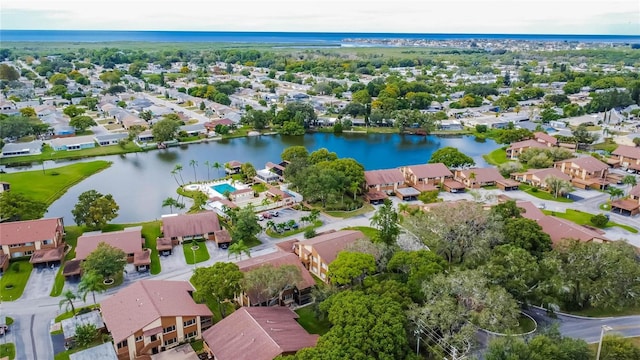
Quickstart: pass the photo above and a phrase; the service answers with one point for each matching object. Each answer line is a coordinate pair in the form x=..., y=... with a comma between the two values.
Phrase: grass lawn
x=8, y=350
x=50, y=185
x=49, y=154
x=65, y=354
x=347, y=214
x=583, y=218
x=374, y=129
x=259, y=187
x=310, y=322
x=541, y=194
x=197, y=345
x=16, y=276
x=525, y=324
x=608, y=145
x=69, y=314
x=598, y=312
x=369, y=232
x=201, y=254
x=496, y=157
x=299, y=230
x=151, y=231
x=71, y=238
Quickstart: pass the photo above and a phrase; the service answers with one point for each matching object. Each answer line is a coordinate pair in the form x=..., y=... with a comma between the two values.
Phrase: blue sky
x=420, y=16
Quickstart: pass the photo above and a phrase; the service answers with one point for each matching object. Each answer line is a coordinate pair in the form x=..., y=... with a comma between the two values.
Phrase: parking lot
x=284, y=216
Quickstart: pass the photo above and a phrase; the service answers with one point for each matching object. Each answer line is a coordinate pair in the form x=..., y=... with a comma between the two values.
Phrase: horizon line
x=325, y=32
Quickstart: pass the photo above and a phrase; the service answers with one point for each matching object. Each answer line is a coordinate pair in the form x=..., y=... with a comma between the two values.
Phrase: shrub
x=309, y=233
x=599, y=220
x=429, y=197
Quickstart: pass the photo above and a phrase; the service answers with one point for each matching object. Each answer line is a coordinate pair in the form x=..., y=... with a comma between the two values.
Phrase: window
x=15, y=245
x=122, y=344
x=27, y=253
x=28, y=244
x=189, y=322
x=169, y=329
x=139, y=338
x=47, y=242
x=170, y=341
x=191, y=335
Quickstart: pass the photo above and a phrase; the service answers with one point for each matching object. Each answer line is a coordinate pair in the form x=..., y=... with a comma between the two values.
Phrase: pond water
x=139, y=182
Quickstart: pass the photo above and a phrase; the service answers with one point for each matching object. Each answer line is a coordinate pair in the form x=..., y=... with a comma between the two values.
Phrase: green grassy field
x=310, y=322
x=201, y=254
x=496, y=157
x=369, y=232
x=347, y=214
x=49, y=185
x=584, y=218
x=49, y=154
x=541, y=194
x=8, y=350
x=16, y=278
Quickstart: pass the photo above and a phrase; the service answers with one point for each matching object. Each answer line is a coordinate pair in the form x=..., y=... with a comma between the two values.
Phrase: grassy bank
x=49, y=154
x=49, y=185
x=583, y=218
x=496, y=157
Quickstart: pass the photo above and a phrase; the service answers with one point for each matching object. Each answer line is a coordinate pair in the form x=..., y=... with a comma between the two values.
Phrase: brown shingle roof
x=632, y=152
x=47, y=255
x=234, y=164
x=635, y=191
x=545, y=137
x=426, y=171
x=386, y=176
x=19, y=232
x=277, y=259
x=483, y=175
x=145, y=301
x=128, y=240
x=257, y=333
x=287, y=245
x=527, y=144
x=190, y=224
x=530, y=210
x=542, y=174
x=222, y=236
x=559, y=229
x=588, y=163
x=329, y=245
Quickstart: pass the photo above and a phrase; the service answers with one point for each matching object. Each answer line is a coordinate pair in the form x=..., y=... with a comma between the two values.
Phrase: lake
x=139, y=182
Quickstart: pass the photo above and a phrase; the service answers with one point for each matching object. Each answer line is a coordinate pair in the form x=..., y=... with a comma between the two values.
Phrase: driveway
x=40, y=283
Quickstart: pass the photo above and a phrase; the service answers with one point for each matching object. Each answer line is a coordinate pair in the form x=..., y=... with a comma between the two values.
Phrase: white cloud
x=419, y=16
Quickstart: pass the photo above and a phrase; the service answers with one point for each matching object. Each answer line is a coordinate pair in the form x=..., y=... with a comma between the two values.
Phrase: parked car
x=295, y=226
x=286, y=227
x=266, y=215
x=260, y=217
x=274, y=213
x=4, y=329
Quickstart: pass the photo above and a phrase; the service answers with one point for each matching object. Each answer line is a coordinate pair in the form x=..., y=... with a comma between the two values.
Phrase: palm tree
x=178, y=169
x=91, y=282
x=557, y=186
x=216, y=165
x=291, y=223
x=354, y=189
x=69, y=296
x=238, y=249
x=207, y=164
x=314, y=215
x=194, y=164
x=271, y=224
x=630, y=181
x=171, y=202
x=615, y=192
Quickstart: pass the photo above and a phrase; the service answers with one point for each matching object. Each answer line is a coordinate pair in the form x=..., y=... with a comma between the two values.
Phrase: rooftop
x=100, y=352
x=426, y=171
x=19, y=232
x=128, y=240
x=328, y=245
x=385, y=176
x=190, y=224
x=588, y=163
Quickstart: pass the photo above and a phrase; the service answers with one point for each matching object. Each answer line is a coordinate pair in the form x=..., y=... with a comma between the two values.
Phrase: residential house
x=22, y=149
x=100, y=352
x=73, y=143
x=145, y=137
x=450, y=125
x=586, y=172
x=70, y=325
x=242, y=195
x=129, y=240
x=298, y=294
x=110, y=139
x=42, y=240
x=538, y=177
x=188, y=227
x=194, y=129
x=545, y=139
x=561, y=229
x=150, y=316
x=517, y=148
x=478, y=177
x=426, y=177
x=626, y=156
x=383, y=180
x=317, y=253
x=257, y=333
x=630, y=205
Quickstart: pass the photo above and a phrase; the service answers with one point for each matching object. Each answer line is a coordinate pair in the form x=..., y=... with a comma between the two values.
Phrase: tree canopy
x=350, y=266
x=17, y=207
x=94, y=210
x=221, y=282
x=106, y=261
x=451, y=157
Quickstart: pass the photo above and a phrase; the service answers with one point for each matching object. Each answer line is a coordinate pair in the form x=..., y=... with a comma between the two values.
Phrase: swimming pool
x=222, y=188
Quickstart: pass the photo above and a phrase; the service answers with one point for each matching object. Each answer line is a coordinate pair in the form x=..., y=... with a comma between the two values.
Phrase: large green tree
x=81, y=123
x=416, y=267
x=451, y=157
x=220, y=282
x=515, y=270
x=528, y=235
x=9, y=73
x=246, y=226
x=165, y=130
x=615, y=347
x=548, y=345
x=85, y=334
x=265, y=283
x=350, y=266
x=106, y=261
x=17, y=207
x=94, y=210
x=386, y=220
x=73, y=111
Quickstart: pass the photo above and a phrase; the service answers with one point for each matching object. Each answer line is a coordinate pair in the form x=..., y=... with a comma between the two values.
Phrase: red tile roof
x=386, y=176
x=128, y=240
x=545, y=137
x=483, y=175
x=527, y=144
x=588, y=163
x=530, y=210
x=19, y=232
x=426, y=171
x=257, y=333
x=542, y=174
x=329, y=245
x=145, y=301
x=190, y=224
x=632, y=152
x=560, y=229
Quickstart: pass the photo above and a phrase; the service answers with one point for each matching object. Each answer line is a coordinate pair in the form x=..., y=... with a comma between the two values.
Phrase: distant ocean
x=275, y=37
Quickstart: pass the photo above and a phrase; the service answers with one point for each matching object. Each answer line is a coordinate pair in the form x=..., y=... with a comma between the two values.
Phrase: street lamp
x=604, y=329
x=416, y=332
